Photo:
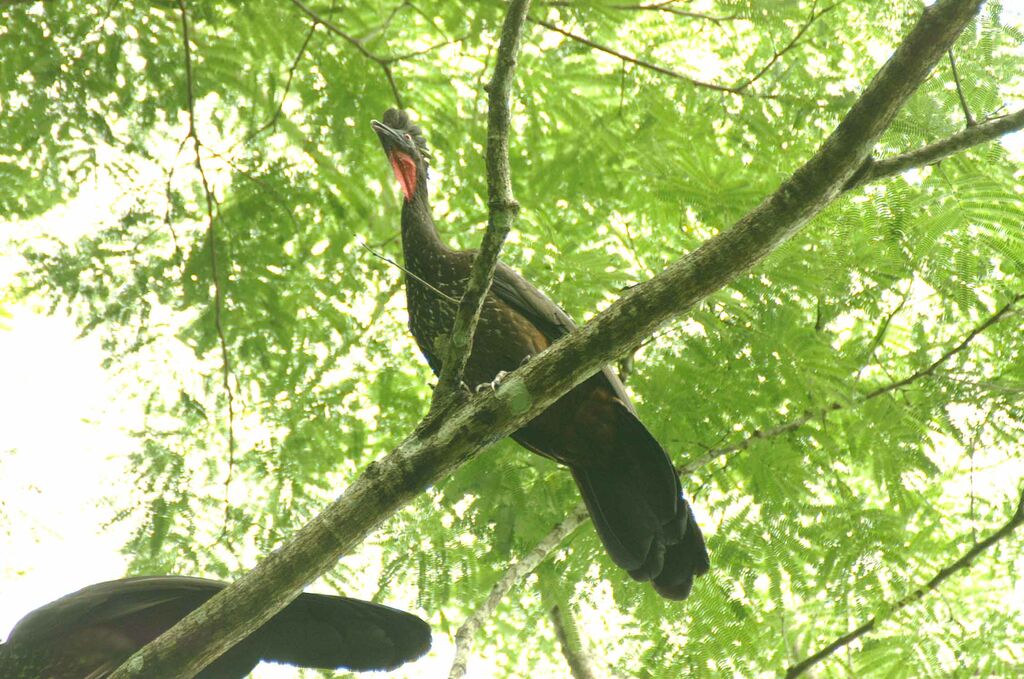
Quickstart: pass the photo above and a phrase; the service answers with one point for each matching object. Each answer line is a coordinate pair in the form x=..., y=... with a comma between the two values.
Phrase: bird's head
x=406, y=148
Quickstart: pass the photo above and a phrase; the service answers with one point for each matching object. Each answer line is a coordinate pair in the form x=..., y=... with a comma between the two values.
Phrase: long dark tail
x=329, y=632
x=636, y=503
x=110, y=620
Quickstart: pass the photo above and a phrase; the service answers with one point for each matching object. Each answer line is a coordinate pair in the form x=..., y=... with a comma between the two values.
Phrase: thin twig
x=410, y=274
x=932, y=367
x=634, y=60
x=211, y=235
x=668, y=8
x=960, y=91
x=425, y=50
x=814, y=16
x=883, y=329
x=168, y=217
x=960, y=564
x=383, y=62
x=502, y=206
x=518, y=571
x=740, y=88
x=287, y=87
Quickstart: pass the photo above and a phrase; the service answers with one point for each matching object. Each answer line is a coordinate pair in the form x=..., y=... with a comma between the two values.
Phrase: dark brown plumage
x=627, y=480
x=88, y=634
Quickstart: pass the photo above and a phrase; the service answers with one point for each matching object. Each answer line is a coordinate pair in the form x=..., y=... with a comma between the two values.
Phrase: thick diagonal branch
x=960, y=564
x=503, y=208
x=431, y=453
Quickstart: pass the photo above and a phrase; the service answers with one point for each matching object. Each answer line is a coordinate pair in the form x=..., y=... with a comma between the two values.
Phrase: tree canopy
x=848, y=414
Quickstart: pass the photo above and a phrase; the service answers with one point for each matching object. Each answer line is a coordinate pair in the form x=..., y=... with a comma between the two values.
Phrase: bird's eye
x=408, y=137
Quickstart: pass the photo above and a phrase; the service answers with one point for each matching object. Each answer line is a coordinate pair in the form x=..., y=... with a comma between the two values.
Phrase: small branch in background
x=634, y=60
x=503, y=207
x=793, y=425
x=515, y=573
x=168, y=217
x=425, y=50
x=977, y=330
x=883, y=330
x=572, y=646
x=814, y=16
x=386, y=24
x=287, y=87
x=667, y=7
x=960, y=91
x=740, y=88
x=211, y=235
x=960, y=564
x=383, y=62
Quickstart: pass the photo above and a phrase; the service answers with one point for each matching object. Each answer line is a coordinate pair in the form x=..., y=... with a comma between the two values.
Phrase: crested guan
x=627, y=480
x=88, y=634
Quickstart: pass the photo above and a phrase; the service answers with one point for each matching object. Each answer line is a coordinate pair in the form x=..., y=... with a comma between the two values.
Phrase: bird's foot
x=493, y=384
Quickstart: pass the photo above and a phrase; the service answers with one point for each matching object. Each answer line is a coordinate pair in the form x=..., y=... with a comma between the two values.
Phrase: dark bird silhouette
x=88, y=634
x=627, y=480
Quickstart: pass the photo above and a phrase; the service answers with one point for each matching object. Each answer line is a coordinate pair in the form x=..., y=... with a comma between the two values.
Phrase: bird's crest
x=398, y=120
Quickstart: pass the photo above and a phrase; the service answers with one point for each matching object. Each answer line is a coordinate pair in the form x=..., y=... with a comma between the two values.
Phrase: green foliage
x=620, y=170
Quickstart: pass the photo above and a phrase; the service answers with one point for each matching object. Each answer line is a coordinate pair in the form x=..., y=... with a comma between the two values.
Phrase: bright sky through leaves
x=620, y=170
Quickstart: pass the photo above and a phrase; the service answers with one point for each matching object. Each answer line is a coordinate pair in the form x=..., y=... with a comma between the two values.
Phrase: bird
x=630, y=488
x=89, y=633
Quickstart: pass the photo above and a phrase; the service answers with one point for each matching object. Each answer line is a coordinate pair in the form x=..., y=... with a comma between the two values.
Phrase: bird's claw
x=493, y=384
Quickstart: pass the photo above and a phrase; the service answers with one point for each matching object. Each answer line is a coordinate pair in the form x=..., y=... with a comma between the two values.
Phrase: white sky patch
x=62, y=452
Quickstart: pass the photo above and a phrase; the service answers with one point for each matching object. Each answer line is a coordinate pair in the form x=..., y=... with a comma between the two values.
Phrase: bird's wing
x=521, y=295
x=548, y=317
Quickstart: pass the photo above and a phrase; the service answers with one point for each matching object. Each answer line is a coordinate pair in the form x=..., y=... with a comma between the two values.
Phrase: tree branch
x=575, y=656
x=518, y=571
x=502, y=205
x=383, y=62
x=934, y=365
x=933, y=153
x=814, y=16
x=272, y=121
x=436, y=448
x=634, y=60
x=655, y=7
x=960, y=91
x=734, y=89
x=960, y=564
x=211, y=238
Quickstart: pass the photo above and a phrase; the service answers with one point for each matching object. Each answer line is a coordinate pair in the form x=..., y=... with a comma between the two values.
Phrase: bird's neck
x=419, y=234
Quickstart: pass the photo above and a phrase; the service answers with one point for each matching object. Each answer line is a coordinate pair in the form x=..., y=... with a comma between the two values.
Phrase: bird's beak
x=389, y=139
